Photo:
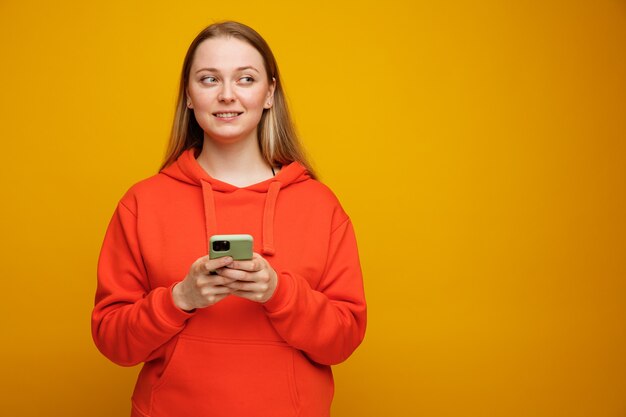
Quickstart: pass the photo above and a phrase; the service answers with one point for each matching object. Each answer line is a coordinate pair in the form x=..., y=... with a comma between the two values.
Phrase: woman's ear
x=189, y=103
x=269, y=102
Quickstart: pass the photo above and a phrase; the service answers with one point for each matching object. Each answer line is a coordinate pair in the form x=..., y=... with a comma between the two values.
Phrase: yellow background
x=479, y=147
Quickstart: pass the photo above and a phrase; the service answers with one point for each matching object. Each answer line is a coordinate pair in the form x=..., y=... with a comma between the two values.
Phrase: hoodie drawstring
x=268, y=218
x=209, y=210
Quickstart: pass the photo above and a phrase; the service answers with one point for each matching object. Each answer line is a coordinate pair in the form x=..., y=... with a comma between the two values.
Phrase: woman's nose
x=226, y=95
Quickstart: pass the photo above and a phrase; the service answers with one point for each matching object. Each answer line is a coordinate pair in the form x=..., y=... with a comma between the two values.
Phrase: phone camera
x=221, y=245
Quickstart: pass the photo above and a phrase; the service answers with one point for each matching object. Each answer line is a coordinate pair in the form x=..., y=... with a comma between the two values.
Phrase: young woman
x=220, y=337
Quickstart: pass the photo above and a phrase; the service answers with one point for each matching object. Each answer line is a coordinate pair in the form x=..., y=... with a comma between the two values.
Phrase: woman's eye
x=209, y=79
x=246, y=80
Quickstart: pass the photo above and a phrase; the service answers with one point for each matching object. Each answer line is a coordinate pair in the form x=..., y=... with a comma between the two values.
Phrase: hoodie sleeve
x=328, y=322
x=130, y=321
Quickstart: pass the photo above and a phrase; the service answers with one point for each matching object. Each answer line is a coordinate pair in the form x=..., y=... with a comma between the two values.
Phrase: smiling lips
x=227, y=115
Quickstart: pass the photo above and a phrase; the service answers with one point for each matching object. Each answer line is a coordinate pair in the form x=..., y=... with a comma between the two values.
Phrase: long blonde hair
x=276, y=133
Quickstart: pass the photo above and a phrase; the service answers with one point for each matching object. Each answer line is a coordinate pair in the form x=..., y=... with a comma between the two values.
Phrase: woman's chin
x=229, y=137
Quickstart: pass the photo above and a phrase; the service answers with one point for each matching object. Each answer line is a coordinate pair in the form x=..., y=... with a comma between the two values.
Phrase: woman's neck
x=240, y=164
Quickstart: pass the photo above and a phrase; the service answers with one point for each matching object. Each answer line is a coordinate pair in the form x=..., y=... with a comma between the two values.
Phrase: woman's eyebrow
x=236, y=69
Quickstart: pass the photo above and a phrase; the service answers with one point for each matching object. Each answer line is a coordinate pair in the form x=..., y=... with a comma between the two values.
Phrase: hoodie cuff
x=170, y=312
x=282, y=295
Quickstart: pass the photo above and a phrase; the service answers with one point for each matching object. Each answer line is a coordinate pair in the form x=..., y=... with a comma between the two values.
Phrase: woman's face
x=228, y=89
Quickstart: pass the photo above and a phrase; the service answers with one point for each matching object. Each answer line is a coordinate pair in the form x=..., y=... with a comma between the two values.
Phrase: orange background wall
x=479, y=146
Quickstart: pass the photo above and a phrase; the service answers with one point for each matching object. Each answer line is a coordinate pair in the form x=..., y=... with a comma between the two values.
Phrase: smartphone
x=237, y=246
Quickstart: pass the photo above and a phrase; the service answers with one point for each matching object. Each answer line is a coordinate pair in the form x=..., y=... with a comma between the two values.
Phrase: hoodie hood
x=187, y=169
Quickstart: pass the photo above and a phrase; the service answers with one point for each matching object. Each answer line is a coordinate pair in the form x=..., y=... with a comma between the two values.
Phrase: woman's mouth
x=226, y=115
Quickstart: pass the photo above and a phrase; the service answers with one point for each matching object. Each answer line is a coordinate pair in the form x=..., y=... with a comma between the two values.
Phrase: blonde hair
x=277, y=136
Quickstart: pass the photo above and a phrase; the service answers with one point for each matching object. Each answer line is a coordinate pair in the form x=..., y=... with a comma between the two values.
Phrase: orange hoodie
x=237, y=357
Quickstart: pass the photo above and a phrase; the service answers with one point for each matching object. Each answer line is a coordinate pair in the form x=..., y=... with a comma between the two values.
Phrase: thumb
x=213, y=264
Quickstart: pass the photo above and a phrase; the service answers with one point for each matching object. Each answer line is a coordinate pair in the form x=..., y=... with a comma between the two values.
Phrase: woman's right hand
x=200, y=288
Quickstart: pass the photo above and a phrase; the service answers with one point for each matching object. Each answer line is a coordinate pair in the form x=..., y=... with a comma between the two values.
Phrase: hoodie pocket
x=225, y=378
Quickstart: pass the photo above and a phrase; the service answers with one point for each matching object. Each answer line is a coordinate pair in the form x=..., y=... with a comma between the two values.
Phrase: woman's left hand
x=255, y=279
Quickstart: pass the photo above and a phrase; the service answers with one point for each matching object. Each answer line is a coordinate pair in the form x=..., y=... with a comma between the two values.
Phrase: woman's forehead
x=226, y=54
